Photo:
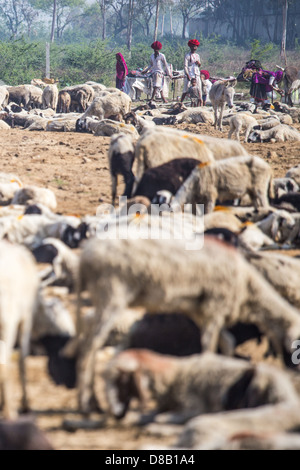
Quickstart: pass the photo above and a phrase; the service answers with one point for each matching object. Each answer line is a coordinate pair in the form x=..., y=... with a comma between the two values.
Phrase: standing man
x=157, y=65
x=192, y=65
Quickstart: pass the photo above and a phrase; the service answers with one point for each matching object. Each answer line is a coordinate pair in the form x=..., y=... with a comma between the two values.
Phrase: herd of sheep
x=215, y=275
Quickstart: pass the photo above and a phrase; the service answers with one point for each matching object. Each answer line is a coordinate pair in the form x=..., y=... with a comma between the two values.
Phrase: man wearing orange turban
x=157, y=65
x=192, y=64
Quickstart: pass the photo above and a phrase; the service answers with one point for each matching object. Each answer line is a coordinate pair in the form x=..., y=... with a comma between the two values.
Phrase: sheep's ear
x=71, y=349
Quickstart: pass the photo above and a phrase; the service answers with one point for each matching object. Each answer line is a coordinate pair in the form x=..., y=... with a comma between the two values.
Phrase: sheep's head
x=123, y=382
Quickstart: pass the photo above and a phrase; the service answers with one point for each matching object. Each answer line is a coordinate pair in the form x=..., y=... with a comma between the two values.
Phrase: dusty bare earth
x=75, y=167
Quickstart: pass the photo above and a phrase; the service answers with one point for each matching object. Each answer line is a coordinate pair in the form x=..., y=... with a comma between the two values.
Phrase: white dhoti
x=157, y=80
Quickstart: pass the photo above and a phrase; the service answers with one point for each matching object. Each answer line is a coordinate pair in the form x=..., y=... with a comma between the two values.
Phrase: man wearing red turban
x=158, y=64
x=192, y=64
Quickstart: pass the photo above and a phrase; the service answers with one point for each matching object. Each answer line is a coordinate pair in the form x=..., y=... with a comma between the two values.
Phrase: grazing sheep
x=122, y=273
x=280, y=133
x=239, y=121
x=168, y=176
x=221, y=92
x=81, y=96
x=121, y=157
x=193, y=385
x=108, y=105
x=227, y=179
x=33, y=194
x=19, y=284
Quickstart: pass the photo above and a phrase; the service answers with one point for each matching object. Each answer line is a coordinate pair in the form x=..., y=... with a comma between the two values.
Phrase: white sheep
x=162, y=276
x=238, y=121
x=227, y=179
x=209, y=431
x=158, y=146
x=280, y=133
x=109, y=105
x=50, y=97
x=34, y=194
x=19, y=285
x=281, y=271
x=4, y=95
x=196, y=115
x=107, y=127
x=63, y=124
x=190, y=386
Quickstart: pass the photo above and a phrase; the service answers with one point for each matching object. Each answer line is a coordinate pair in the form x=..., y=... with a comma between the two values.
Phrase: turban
x=193, y=42
x=156, y=45
x=205, y=73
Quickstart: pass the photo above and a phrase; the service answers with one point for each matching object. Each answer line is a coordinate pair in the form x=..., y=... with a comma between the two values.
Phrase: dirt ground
x=75, y=167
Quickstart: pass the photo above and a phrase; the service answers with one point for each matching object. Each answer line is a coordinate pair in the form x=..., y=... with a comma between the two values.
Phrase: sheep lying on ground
x=239, y=121
x=196, y=115
x=19, y=285
x=121, y=273
x=280, y=133
x=227, y=180
x=191, y=386
x=208, y=431
x=121, y=157
x=34, y=194
x=281, y=271
x=105, y=127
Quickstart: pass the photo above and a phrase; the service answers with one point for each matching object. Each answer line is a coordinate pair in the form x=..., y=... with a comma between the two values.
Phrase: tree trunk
x=162, y=25
x=283, y=40
x=130, y=20
x=184, y=24
x=53, y=21
x=103, y=8
x=156, y=20
x=171, y=21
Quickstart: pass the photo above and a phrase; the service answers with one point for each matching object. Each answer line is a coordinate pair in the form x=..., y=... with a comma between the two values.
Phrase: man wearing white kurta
x=158, y=64
x=192, y=64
